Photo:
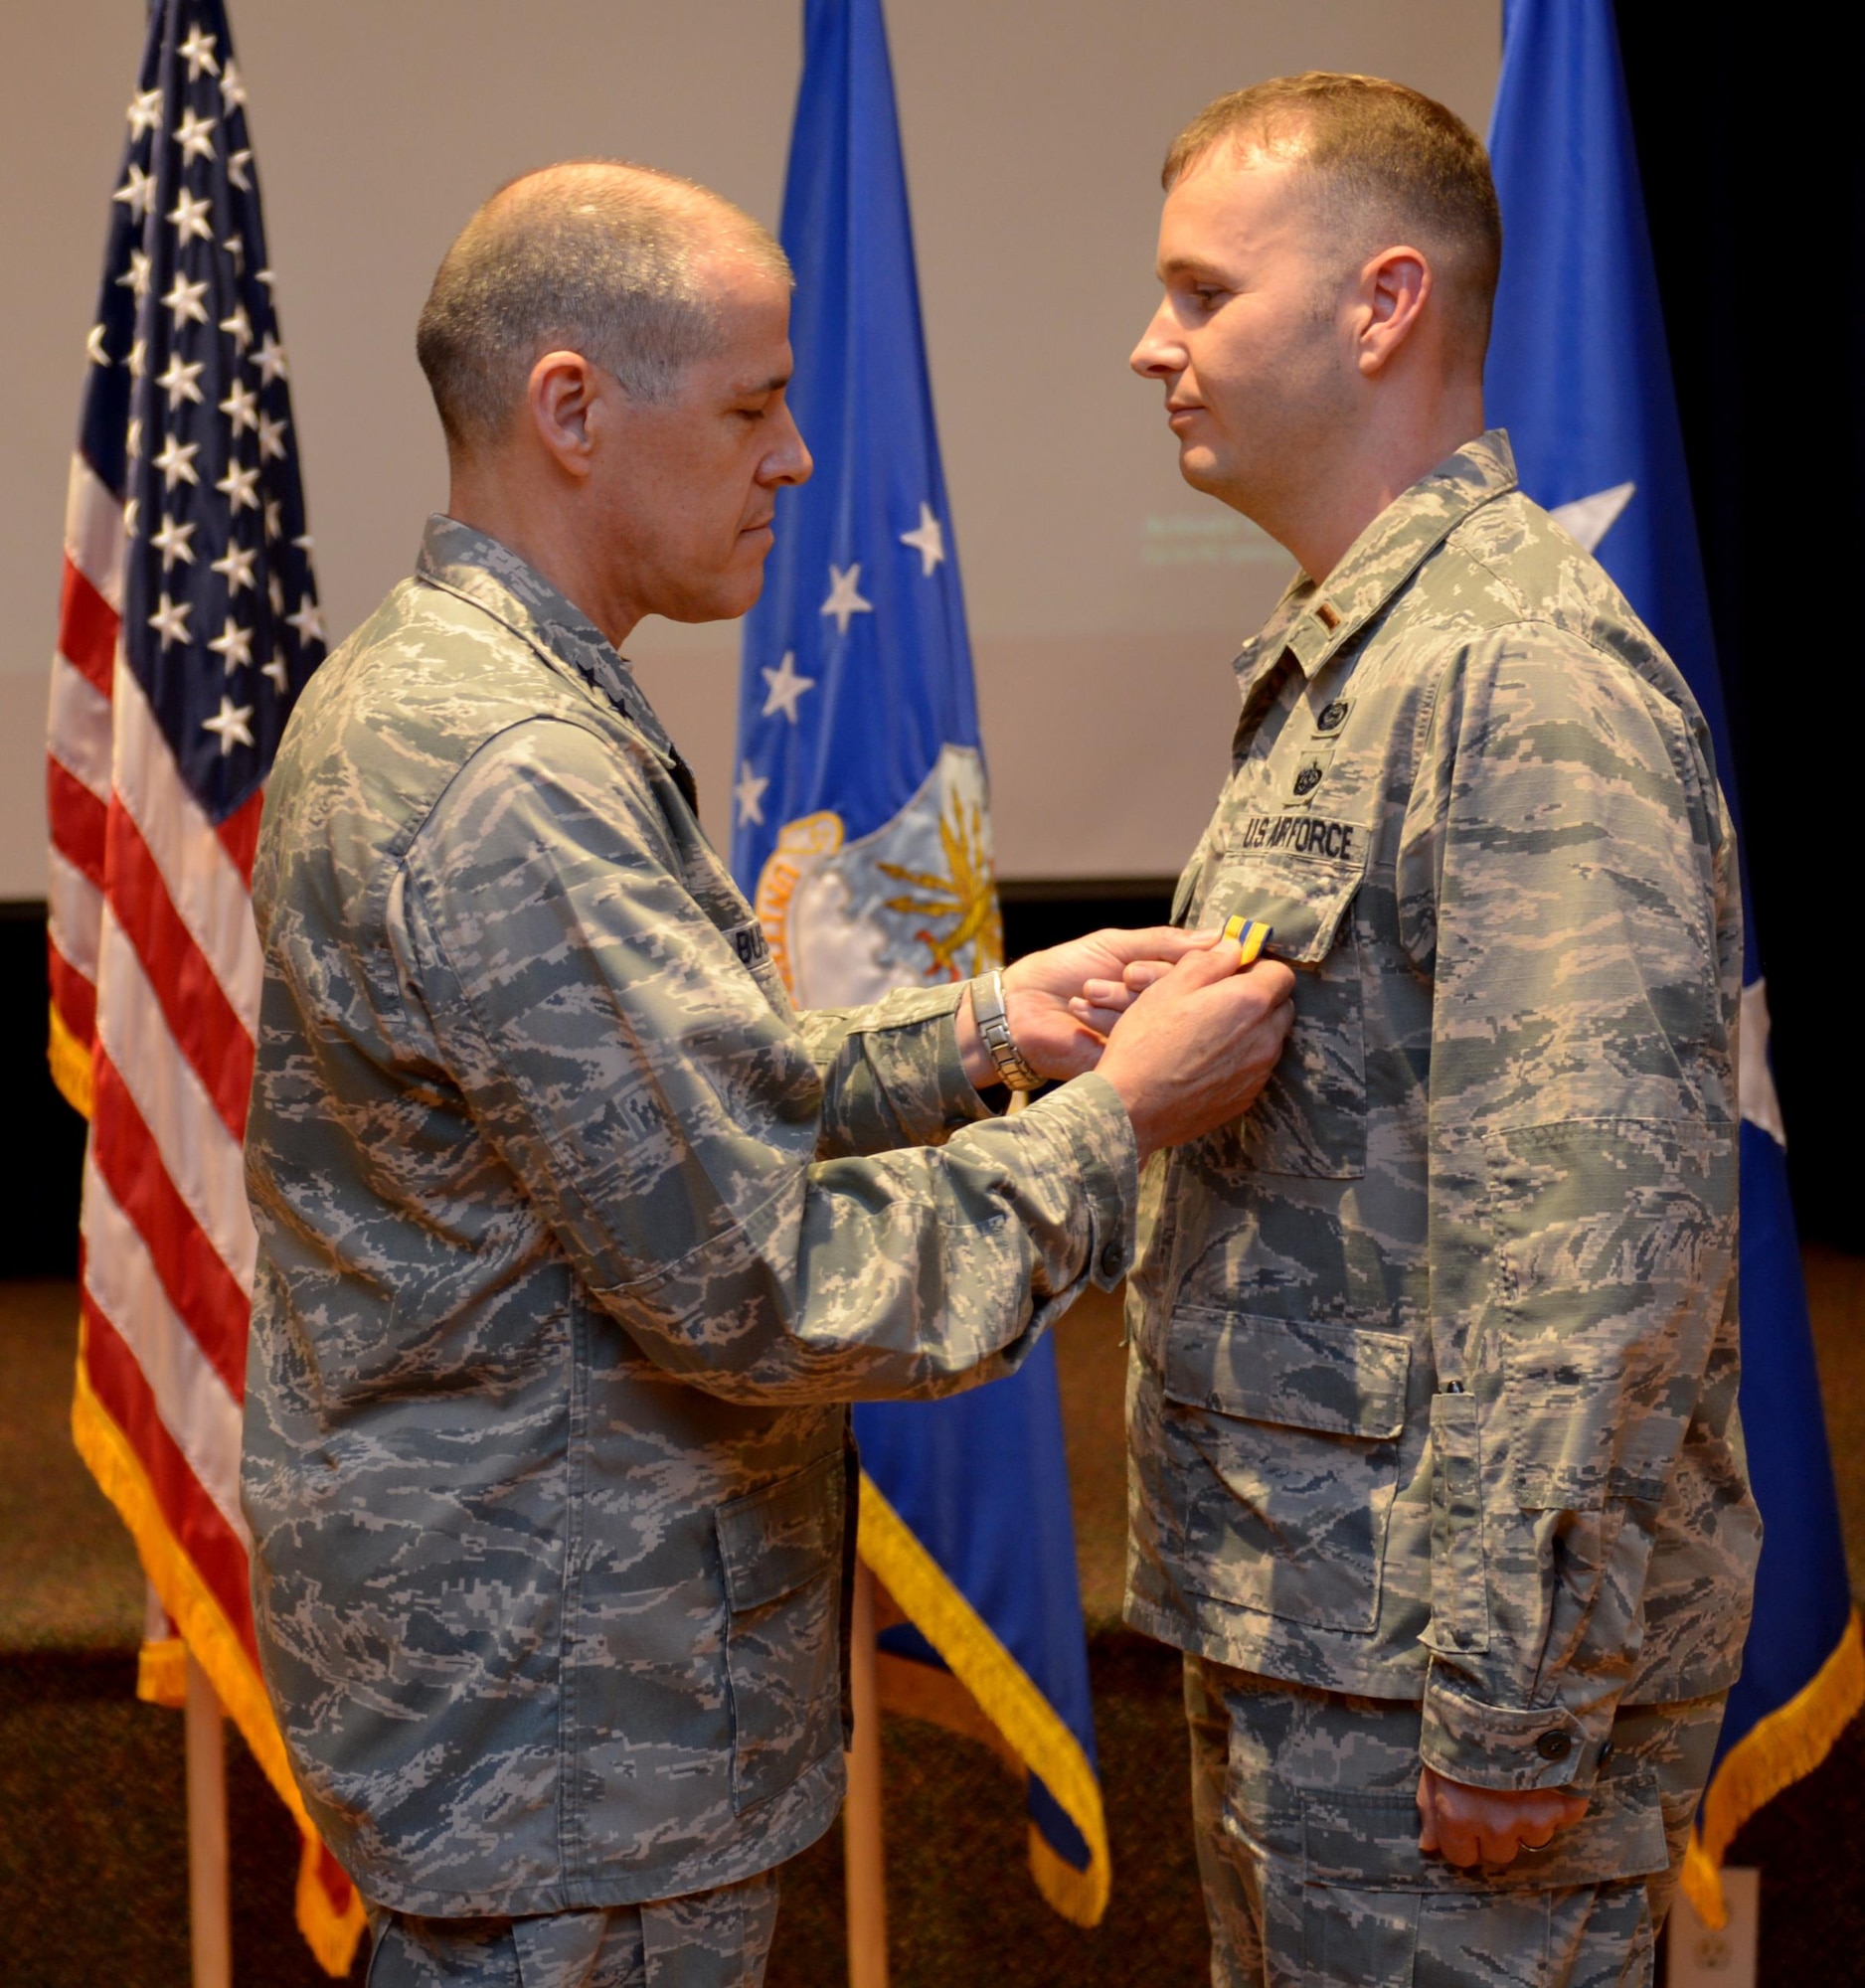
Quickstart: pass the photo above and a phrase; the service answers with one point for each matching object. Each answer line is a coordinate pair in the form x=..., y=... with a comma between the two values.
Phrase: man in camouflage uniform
x=575, y=1239
x=1437, y=1473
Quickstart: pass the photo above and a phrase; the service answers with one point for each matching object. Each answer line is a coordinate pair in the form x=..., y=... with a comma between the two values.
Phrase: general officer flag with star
x=862, y=833
x=1580, y=375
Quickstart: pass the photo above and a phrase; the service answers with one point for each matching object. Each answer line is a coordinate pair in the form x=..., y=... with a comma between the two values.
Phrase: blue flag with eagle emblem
x=862, y=834
x=1580, y=375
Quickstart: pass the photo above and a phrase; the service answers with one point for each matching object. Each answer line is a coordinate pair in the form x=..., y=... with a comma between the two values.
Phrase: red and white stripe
x=156, y=975
x=78, y=744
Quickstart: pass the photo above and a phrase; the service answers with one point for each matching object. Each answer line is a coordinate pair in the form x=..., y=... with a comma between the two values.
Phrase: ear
x=1394, y=286
x=563, y=397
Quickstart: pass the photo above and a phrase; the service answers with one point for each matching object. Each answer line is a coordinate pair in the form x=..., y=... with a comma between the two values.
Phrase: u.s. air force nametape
x=1252, y=935
x=1302, y=834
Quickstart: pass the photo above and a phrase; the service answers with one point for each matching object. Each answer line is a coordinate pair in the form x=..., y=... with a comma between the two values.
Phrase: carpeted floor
x=92, y=1857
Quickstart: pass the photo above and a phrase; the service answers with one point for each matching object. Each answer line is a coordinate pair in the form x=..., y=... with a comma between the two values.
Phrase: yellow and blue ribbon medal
x=1250, y=933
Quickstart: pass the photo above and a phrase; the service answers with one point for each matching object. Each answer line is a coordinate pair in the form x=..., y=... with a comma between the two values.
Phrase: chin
x=742, y=594
x=1199, y=468
x=724, y=602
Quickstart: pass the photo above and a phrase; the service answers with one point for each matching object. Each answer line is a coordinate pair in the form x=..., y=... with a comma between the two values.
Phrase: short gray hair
x=598, y=256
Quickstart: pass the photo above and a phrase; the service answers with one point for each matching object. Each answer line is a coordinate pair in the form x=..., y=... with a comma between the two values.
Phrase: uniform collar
x=492, y=577
x=1313, y=622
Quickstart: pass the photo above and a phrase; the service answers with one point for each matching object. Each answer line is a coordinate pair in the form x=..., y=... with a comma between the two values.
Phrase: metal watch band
x=987, y=1009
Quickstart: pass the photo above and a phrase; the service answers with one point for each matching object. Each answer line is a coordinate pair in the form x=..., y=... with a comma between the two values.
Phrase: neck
x=547, y=535
x=1377, y=463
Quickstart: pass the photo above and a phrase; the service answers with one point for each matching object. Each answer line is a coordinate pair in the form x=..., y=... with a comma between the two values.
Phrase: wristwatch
x=987, y=1009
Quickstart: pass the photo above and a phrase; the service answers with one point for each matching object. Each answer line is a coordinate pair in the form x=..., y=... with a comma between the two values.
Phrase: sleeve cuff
x=909, y=1041
x=1101, y=1135
x=1502, y=1747
x=958, y=1101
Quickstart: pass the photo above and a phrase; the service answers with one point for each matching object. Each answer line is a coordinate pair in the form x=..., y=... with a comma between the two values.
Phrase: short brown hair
x=600, y=256
x=1385, y=156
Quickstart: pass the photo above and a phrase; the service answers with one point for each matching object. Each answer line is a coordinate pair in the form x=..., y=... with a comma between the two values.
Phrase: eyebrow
x=1189, y=266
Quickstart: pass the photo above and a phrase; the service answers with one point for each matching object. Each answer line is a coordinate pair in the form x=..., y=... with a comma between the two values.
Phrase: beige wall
x=1105, y=598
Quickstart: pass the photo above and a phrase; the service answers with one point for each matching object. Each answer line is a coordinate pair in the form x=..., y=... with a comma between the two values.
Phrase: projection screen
x=1105, y=599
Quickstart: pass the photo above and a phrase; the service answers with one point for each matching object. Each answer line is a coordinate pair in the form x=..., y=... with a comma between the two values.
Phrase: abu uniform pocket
x=1368, y=1840
x=781, y=1552
x=1377, y=1912
x=1299, y=873
x=1282, y=1438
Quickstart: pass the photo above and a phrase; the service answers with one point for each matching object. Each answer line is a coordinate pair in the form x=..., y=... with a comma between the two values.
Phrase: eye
x=1208, y=295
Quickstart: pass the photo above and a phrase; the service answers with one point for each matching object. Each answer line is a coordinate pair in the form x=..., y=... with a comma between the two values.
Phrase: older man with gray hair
x=575, y=1237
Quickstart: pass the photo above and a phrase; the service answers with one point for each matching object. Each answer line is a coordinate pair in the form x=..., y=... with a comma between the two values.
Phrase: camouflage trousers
x=709, y=1939
x=1307, y=1831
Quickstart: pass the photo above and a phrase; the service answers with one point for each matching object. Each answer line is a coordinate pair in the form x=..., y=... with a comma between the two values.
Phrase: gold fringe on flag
x=1006, y=1695
x=162, y=1673
x=70, y=1066
x=331, y=1928
x=1771, y=1755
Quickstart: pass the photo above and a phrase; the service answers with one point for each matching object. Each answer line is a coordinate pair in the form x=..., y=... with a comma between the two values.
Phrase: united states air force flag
x=862, y=834
x=1580, y=376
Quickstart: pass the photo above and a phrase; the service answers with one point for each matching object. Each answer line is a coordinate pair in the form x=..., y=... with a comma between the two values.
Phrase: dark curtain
x=1754, y=169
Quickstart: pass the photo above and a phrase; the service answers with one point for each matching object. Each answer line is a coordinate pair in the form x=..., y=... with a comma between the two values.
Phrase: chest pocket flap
x=1296, y=872
x=1301, y=874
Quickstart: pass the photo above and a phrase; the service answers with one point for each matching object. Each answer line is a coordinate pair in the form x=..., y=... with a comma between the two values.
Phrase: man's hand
x=1115, y=996
x=1194, y=1050
x=1059, y=1033
x=1467, y=1825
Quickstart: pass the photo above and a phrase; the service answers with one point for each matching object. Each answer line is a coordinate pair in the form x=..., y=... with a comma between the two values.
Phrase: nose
x=1160, y=352
x=790, y=460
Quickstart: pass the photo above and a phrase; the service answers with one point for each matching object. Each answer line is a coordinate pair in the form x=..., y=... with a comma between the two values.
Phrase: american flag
x=188, y=625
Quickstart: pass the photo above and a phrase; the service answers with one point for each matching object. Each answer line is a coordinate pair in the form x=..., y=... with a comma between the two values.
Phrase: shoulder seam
x=571, y=721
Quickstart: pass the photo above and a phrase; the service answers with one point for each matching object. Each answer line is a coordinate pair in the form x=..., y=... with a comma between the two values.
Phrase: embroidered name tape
x=1303, y=834
x=748, y=942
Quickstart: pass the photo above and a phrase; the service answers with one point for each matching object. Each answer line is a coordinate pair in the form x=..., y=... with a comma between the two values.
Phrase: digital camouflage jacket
x=1432, y=1387
x=574, y=1241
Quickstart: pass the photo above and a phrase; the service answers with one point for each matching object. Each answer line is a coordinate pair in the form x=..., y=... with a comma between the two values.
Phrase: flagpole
x=210, y=1929
x=864, y=1858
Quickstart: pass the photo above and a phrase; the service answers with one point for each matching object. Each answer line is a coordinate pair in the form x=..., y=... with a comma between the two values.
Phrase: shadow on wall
x=1796, y=699
x=39, y=1235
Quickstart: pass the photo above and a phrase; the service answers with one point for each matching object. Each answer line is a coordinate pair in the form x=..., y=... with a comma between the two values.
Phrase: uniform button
x=1554, y=1746
x=1110, y=1260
